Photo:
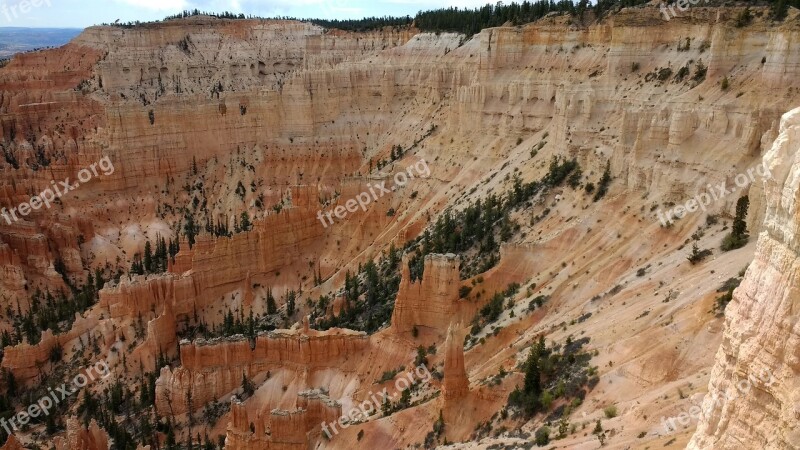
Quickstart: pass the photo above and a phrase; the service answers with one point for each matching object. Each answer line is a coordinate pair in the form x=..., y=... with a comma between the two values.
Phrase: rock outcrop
x=161, y=341
x=281, y=429
x=754, y=392
x=431, y=302
x=80, y=438
x=215, y=369
x=280, y=119
x=25, y=360
x=456, y=384
x=12, y=444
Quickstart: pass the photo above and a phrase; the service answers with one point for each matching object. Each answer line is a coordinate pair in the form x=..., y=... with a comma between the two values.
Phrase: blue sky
x=83, y=13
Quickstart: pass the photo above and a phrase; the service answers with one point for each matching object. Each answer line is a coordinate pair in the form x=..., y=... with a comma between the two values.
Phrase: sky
x=84, y=13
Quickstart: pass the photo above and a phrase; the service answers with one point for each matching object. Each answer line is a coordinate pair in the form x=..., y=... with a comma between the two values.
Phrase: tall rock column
x=754, y=390
x=456, y=384
x=455, y=387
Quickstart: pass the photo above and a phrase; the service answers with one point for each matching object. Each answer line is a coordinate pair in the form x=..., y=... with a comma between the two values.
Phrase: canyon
x=229, y=138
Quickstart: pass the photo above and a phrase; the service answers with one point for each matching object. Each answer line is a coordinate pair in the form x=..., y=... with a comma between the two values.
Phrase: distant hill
x=15, y=40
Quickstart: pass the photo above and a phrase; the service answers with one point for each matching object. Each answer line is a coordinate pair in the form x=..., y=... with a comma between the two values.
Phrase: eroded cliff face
x=299, y=117
x=212, y=370
x=90, y=438
x=432, y=301
x=754, y=392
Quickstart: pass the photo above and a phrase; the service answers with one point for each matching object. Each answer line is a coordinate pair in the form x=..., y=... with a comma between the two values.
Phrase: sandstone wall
x=26, y=361
x=214, y=369
x=161, y=340
x=79, y=438
x=431, y=302
x=281, y=429
x=761, y=345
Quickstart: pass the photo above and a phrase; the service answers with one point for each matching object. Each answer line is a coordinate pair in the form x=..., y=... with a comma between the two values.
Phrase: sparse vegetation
x=605, y=180
x=698, y=255
x=744, y=18
x=368, y=296
x=553, y=373
x=492, y=310
x=727, y=288
x=700, y=71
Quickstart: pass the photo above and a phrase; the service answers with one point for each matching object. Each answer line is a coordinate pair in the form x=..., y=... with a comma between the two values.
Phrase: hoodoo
x=556, y=224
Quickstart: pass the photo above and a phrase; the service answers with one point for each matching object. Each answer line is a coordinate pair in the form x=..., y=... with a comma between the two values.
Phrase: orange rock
x=12, y=444
x=456, y=384
x=431, y=302
x=79, y=438
x=213, y=369
x=280, y=428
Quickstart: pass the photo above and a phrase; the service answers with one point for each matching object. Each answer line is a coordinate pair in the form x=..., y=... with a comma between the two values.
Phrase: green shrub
x=700, y=72
x=543, y=436
x=744, y=18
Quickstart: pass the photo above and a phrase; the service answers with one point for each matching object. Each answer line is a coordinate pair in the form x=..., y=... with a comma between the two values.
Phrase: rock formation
x=754, y=392
x=281, y=429
x=215, y=369
x=25, y=360
x=91, y=438
x=431, y=302
x=12, y=444
x=456, y=384
x=161, y=340
x=283, y=120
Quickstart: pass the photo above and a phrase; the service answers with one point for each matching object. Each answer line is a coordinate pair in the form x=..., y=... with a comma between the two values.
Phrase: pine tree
x=272, y=308
x=697, y=255
x=190, y=229
x=246, y=225
x=148, y=257
x=605, y=180
x=780, y=10
x=738, y=237
x=290, y=303
x=739, y=228
x=248, y=389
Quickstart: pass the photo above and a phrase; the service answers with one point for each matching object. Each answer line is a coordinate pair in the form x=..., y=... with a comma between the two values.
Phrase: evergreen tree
x=739, y=225
x=272, y=308
x=780, y=10
x=290, y=303
x=148, y=257
x=738, y=236
x=190, y=229
x=605, y=180
x=245, y=223
x=248, y=389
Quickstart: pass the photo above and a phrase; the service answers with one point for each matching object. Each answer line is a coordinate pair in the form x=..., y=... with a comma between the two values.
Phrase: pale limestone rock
x=761, y=345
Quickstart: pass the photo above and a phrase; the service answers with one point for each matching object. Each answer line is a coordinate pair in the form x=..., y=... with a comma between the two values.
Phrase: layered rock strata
x=211, y=370
x=754, y=392
x=432, y=301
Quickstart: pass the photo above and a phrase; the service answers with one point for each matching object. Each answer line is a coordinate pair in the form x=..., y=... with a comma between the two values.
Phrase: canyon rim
x=527, y=271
